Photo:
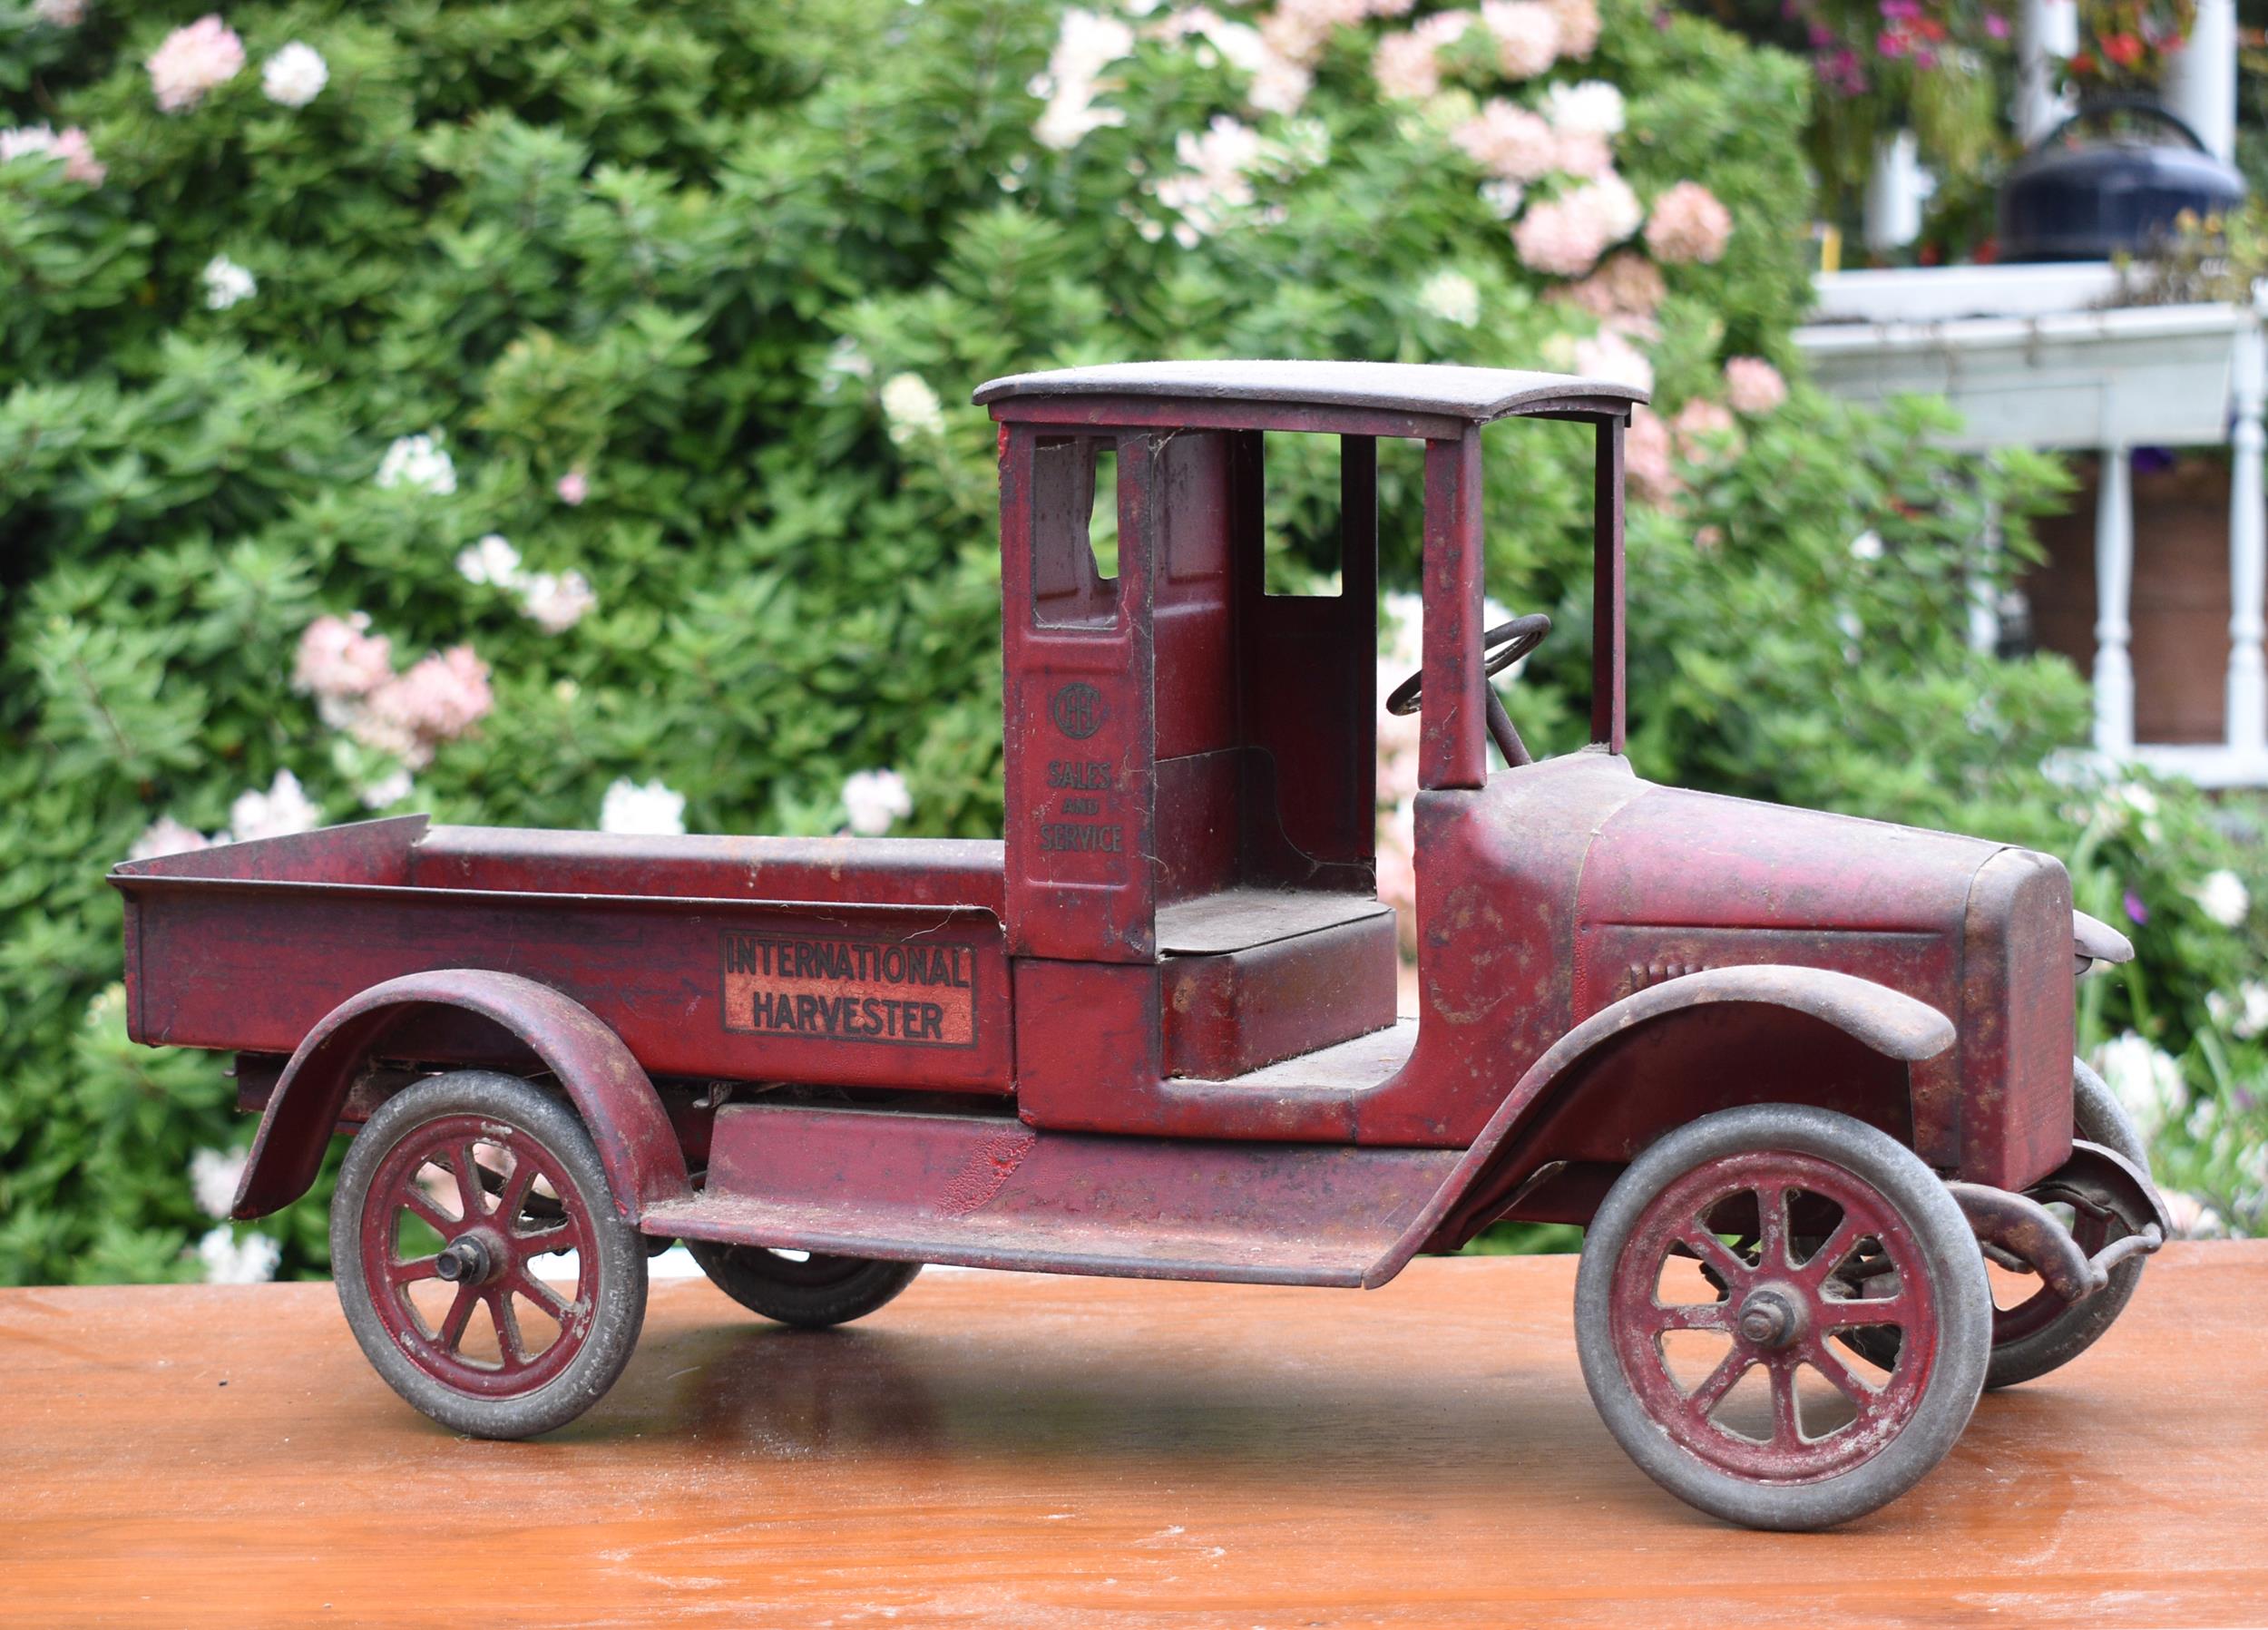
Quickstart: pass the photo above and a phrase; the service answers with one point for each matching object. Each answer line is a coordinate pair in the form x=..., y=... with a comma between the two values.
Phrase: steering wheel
x=1504, y=645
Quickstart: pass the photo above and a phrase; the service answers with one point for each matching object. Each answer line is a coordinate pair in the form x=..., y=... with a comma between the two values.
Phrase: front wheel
x=1707, y=1330
x=455, y=1211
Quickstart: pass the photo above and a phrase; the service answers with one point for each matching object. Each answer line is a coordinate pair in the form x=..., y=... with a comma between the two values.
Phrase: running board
x=985, y=1192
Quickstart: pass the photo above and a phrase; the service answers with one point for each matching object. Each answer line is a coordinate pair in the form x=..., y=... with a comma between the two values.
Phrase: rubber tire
x=744, y=1273
x=1964, y=1300
x=2097, y=1117
x=620, y=1249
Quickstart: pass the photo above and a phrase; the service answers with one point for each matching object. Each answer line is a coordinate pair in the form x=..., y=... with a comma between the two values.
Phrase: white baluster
x=2114, y=583
x=2248, y=545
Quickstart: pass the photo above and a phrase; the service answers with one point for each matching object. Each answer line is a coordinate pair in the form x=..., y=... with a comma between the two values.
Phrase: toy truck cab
x=1799, y=1075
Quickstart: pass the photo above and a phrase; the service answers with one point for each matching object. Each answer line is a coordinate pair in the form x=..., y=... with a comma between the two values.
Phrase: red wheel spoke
x=410, y=1271
x=1787, y=1433
x=1719, y=1381
x=468, y=1182
x=508, y=1339
x=516, y=1188
x=421, y=1205
x=1690, y=1315
x=1824, y=1357
x=1772, y=1236
x=1851, y=1315
x=1829, y=1257
x=1715, y=1253
x=452, y=1331
x=536, y=1291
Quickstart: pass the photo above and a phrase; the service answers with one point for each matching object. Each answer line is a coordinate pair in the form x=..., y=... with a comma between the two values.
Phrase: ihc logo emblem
x=1077, y=710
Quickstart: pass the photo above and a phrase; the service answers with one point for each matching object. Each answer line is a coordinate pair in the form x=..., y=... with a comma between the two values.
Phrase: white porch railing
x=2027, y=363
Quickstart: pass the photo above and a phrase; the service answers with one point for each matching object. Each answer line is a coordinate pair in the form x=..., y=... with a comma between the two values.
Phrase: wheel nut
x=463, y=1262
x=1769, y=1318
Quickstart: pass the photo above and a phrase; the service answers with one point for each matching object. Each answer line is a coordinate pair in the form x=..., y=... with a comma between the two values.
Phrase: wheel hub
x=468, y=1259
x=1771, y=1317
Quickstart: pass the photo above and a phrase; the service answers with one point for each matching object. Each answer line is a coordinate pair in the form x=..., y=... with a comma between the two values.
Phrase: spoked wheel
x=798, y=1287
x=453, y=1211
x=1716, y=1367
x=2034, y=1334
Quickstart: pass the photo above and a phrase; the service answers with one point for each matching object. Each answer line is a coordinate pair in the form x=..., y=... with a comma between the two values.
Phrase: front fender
x=1890, y=1023
x=610, y=1089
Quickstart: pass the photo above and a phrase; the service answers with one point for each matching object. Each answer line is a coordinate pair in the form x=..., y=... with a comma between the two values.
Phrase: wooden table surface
x=1008, y=1450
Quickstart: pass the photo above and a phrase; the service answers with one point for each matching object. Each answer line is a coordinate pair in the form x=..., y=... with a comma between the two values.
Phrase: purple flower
x=2137, y=912
x=1904, y=11
x=1996, y=25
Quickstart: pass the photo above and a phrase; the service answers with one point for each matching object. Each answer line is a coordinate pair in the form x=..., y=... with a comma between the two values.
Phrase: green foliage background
x=634, y=239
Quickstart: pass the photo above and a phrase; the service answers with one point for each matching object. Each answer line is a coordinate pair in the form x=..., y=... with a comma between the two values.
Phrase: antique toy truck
x=1800, y=1076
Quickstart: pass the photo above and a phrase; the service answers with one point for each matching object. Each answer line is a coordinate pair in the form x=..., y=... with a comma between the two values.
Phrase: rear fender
x=644, y=1163
x=1897, y=1026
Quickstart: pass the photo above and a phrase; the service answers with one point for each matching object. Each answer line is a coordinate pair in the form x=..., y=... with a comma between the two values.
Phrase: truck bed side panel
x=853, y=995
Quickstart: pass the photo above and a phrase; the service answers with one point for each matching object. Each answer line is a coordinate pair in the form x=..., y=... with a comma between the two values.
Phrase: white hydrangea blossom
x=2246, y=1017
x=877, y=800
x=910, y=407
x=1088, y=42
x=165, y=836
x=491, y=562
x=557, y=601
x=1451, y=297
x=388, y=789
x=844, y=361
x=229, y=1261
x=281, y=811
x=295, y=75
x=2143, y=1079
x=418, y=461
x=213, y=1175
x=226, y=283
x=2223, y=897
x=651, y=810
x=1592, y=108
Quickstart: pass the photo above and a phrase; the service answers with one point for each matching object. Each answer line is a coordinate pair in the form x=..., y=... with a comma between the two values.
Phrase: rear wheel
x=1716, y=1366
x=451, y=1228
x=802, y=1288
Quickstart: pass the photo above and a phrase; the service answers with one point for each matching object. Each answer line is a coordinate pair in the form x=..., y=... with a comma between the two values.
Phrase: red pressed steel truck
x=1801, y=1077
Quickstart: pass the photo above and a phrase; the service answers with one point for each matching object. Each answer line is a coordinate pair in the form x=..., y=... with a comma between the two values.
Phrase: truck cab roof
x=1474, y=396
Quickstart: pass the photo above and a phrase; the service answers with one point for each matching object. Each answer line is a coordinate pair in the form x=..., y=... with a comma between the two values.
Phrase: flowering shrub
x=556, y=413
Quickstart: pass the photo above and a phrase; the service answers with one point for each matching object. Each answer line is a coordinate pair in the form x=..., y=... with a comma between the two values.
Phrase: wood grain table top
x=1010, y=1449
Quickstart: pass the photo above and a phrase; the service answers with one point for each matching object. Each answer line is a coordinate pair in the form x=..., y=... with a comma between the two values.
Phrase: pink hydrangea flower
x=1527, y=35
x=1753, y=386
x=1704, y=427
x=1406, y=66
x=1578, y=26
x=70, y=145
x=1582, y=152
x=1627, y=288
x=60, y=13
x=1688, y=225
x=338, y=657
x=1608, y=355
x=192, y=59
x=1558, y=239
x=1508, y=141
x=438, y=699
x=573, y=487
x=1648, y=459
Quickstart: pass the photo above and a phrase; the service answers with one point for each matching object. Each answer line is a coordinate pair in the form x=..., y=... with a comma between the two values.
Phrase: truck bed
x=858, y=962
